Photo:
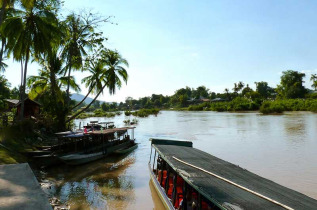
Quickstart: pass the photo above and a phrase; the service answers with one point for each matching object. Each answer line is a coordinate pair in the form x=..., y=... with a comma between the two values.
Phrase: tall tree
x=29, y=34
x=291, y=85
x=94, y=81
x=48, y=88
x=80, y=37
x=112, y=73
x=264, y=89
x=7, y=7
x=313, y=78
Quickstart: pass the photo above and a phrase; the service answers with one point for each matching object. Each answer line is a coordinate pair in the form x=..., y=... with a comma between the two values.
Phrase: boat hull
x=79, y=158
x=127, y=150
x=47, y=160
x=160, y=191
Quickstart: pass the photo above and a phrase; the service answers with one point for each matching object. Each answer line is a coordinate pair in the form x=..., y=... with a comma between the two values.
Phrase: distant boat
x=188, y=178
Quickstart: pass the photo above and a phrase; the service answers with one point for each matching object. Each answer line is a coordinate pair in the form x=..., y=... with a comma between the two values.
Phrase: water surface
x=278, y=147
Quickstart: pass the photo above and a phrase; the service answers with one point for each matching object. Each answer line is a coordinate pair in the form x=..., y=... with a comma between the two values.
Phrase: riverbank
x=16, y=140
x=266, y=107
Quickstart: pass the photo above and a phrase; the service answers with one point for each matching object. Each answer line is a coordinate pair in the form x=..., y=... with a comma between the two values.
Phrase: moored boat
x=101, y=144
x=188, y=178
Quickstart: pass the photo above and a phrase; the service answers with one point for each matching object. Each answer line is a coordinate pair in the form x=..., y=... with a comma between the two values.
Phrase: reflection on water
x=279, y=147
x=99, y=185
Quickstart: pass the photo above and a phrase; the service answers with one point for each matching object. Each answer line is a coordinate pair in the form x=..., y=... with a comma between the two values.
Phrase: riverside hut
x=31, y=108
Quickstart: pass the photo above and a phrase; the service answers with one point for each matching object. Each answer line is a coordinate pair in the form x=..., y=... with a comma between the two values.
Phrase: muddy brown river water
x=282, y=148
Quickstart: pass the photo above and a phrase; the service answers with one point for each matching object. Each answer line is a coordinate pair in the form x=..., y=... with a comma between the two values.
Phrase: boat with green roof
x=188, y=178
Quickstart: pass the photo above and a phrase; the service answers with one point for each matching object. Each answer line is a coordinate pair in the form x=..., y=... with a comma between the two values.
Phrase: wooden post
x=199, y=201
x=154, y=160
x=151, y=154
x=174, y=190
x=184, y=196
x=167, y=180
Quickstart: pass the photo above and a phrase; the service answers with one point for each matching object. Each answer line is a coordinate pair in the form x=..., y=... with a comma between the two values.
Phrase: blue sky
x=172, y=44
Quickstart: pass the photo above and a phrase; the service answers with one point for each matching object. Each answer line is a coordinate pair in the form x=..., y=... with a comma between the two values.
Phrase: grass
x=8, y=157
x=17, y=139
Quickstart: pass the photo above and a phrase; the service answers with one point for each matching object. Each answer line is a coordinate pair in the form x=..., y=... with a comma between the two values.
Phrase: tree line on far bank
x=289, y=95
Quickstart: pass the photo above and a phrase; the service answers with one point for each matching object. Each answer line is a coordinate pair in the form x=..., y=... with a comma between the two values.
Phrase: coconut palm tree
x=94, y=81
x=80, y=37
x=50, y=79
x=111, y=72
x=29, y=33
x=313, y=78
x=7, y=7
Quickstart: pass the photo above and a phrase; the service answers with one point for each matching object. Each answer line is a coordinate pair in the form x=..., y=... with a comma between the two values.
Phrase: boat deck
x=227, y=194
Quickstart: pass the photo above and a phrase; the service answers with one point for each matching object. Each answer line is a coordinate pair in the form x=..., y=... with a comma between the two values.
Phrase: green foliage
x=237, y=104
x=4, y=92
x=264, y=89
x=96, y=113
x=145, y=112
x=127, y=113
x=313, y=78
x=291, y=85
x=269, y=107
x=278, y=106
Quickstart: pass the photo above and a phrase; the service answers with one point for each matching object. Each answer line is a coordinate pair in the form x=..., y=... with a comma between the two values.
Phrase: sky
x=171, y=44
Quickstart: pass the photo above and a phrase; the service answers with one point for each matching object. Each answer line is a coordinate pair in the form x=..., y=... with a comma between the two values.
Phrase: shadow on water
x=99, y=185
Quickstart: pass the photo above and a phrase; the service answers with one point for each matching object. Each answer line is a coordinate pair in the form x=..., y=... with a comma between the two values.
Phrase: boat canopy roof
x=199, y=168
x=109, y=131
x=105, y=123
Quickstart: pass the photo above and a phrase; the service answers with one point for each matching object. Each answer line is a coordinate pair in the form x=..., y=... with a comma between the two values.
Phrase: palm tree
x=50, y=79
x=94, y=81
x=227, y=93
x=111, y=74
x=80, y=36
x=29, y=34
x=48, y=88
x=313, y=78
x=7, y=7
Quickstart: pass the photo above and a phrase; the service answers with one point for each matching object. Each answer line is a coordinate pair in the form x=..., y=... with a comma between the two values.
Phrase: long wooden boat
x=47, y=160
x=101, y=144
x=83, y=157
x=188, y=178
x=132, y=146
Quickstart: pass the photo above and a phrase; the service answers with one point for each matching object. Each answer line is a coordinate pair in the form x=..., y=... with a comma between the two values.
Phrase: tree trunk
x=83, y=99
x=68, y=84
x=3, y=42
x=24, y=84
x=3, y=7
x=78, y=113
x=2, y=16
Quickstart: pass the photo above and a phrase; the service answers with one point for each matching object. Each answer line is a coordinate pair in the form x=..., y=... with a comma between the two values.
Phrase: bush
x=278, y=106
x=145, y=112
x=269, y=107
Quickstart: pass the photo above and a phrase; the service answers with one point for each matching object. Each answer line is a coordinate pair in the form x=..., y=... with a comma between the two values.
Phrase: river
x=282, y=148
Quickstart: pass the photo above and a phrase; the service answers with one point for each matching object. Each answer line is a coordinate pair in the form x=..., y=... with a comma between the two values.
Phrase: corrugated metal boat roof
x=223, y=192
x=108, y=131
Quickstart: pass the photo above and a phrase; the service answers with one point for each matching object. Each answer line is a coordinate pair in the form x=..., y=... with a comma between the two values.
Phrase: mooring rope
x=235, y=184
